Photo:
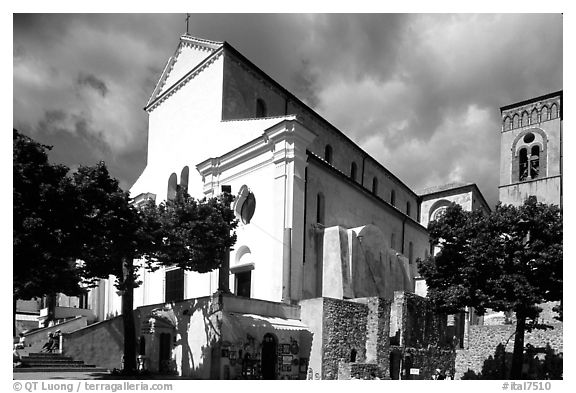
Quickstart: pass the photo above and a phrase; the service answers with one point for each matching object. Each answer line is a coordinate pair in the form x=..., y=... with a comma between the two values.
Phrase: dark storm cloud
x=93, y=82
x=415, y=90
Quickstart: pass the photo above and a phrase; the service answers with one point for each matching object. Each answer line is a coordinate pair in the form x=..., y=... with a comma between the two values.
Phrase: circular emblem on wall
x=244, y=205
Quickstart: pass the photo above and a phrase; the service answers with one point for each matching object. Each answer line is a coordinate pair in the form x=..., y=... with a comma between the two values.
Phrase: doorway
x=164, y=353
x=269, y=356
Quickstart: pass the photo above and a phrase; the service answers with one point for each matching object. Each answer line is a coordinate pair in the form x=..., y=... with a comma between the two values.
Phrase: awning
x=236, y=325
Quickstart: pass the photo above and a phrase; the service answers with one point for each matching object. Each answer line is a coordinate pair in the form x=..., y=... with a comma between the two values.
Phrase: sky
x=421, y=93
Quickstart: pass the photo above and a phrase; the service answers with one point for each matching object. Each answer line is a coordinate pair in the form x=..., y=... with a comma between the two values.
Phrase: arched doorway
x=269, y=356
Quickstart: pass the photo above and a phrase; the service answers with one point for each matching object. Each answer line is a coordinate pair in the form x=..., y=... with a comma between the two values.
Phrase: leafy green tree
x=510, y=259
x=119, y=238
x=60, y=219
x=112, y=234
x=196, y=234
x=44, y=247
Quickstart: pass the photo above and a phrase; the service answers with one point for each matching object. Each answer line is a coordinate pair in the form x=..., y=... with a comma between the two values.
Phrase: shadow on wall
x=539, y=363
x=180, y=316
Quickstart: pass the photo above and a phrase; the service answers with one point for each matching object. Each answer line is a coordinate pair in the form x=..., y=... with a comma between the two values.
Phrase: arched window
x=184, y=179
x=534, y=116
x=524, y=119
x=410, y=253
x=523, y=164
x=320, y=208
x=353, y=170
x=328, y=154
x=529, y=151
x=553, y=111
x=261, y=110
x=172, y=187
x=393, y=240
x=408, y=208
x=544, y=113
x=535, y=161
x=375, y=186
x=393, y=197
x=507, y=123
x=516, y=121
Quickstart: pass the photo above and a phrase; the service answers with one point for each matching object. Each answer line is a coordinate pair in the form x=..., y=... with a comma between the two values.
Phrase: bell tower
x=531, y=150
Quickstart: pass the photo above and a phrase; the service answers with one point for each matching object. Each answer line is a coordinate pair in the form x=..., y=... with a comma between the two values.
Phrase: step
x=54, y=364
x=44, y=354
x=47, y=358
x=91, y=369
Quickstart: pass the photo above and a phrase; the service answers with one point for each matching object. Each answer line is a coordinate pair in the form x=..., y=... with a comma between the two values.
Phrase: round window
x=439, y=213
x=244, y=205
x=529, y=138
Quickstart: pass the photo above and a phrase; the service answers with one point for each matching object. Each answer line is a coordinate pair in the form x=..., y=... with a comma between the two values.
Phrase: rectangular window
x=243, y=281
x=174, y=288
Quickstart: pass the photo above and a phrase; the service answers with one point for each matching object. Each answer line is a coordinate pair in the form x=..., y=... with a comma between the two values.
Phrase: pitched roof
x=443, y=187
x=169, y=77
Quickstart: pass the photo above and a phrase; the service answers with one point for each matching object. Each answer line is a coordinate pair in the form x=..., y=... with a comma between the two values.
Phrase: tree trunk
x=518, y=355
x=14, y=328
x=128, y=316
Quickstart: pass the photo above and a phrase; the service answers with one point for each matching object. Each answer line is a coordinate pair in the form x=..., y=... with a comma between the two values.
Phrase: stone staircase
x=50, y=362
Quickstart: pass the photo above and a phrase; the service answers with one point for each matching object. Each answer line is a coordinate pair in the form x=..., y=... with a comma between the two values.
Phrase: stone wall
x=101, y=344
x=483, y=341
x=378, y=332
x=421, y=327
x=427, y=360
x=344, y=329
x=360, y=371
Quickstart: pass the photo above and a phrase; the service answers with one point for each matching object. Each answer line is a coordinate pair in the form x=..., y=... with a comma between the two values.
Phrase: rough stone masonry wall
x=378, y=332
x=423, y=341
x=427, y=360
x=344, y=330
x=421, y=326
x=483, y=341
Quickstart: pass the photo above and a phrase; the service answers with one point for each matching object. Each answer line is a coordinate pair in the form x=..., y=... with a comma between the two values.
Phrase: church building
x=322, y=282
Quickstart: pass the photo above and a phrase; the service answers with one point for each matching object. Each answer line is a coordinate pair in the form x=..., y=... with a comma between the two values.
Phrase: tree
x=191, y=234
x=196, y=234
x=71, y=231
x=44, y=247
x=510, y=259
x=112, y=234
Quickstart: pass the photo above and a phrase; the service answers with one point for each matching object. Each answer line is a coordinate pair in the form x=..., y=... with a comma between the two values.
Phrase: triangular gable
x=190, y=52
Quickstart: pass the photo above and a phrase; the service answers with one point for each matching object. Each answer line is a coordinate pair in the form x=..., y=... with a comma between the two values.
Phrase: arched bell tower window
x=535, y=161
x=529, y=155
x=261, y=110
x=408, y=208
x=328, y=154
x=353, y=170
x=393, y=198
x=375, y=186
x=523, y=160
